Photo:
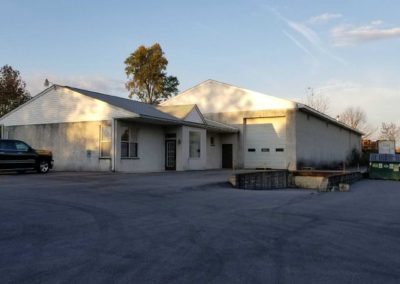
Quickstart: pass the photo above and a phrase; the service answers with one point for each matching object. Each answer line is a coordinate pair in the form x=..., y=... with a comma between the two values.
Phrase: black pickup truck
x=18, y=156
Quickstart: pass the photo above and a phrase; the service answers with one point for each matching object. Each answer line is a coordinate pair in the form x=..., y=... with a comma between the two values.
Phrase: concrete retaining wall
x=265, y=180
x=262, y=180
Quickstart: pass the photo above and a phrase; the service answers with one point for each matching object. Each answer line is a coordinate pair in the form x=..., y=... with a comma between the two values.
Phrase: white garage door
x=265, y=143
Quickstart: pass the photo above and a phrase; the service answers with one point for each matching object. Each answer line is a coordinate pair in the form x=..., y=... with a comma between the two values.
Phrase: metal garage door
x=265, y=143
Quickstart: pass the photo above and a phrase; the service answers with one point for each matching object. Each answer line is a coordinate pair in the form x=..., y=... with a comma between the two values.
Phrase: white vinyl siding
x=151, y=146
x=265, y=143
x=194, y=116
x=61, y=106
x=216, y=97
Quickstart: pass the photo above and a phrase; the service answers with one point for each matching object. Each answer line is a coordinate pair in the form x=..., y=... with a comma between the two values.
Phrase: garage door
x=265, y=143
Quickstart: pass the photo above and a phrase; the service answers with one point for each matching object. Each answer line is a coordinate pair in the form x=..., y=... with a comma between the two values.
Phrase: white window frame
x=103, y=140
x=194, y=153
x=132, y=143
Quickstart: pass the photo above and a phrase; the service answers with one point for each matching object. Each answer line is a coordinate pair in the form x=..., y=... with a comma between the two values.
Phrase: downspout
x=113, y=144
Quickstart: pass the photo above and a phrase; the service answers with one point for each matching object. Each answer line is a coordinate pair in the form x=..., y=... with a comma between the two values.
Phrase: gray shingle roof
x=139, y=108
x=149, y=111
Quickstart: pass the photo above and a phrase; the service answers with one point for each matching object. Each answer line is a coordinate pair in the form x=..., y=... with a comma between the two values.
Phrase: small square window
x=212, y=142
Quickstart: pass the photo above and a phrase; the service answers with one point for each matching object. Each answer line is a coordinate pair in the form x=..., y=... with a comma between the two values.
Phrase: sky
x=345, y=50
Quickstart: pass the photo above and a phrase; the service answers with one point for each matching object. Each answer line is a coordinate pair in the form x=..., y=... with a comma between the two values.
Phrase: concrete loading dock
x=279, y=179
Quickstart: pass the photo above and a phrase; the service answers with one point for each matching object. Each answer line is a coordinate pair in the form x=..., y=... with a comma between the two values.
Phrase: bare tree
x=356, y=118
x=318, y=102
x=390, y=131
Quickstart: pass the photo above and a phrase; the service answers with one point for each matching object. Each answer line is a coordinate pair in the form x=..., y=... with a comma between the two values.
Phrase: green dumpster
x=384, y=166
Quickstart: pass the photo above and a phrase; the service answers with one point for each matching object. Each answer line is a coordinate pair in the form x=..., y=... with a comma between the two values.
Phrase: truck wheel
x=44, y=167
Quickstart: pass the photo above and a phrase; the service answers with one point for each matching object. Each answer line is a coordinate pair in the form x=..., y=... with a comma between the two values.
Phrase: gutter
x=308, y=109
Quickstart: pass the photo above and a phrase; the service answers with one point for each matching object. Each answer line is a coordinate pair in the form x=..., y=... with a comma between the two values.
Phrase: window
x=129, y=145
x=105, y=141
x=7, y=146
x=194, y=144
x=1, y=131
x=251, y=150
x=21, y=147
x=212, y=142
x=279, y=150
x=264, y=149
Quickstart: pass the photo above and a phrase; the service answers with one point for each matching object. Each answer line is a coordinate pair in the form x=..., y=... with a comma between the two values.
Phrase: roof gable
x=213, y=97
x=58, y=105
x=189, y=113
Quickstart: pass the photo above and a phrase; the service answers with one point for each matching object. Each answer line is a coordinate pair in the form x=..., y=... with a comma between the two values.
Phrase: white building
x=212, y=125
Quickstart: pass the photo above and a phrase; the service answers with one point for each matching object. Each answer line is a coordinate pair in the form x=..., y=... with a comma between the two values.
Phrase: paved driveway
x=192, y=228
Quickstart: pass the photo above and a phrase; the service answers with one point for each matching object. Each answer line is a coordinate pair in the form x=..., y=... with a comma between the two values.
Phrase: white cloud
x=299, y=44
x=306, y=32
x=346, y=35
x=313, y=39
x=310, y=35
x=99, y=83
x=324, y=18
x=376, y=22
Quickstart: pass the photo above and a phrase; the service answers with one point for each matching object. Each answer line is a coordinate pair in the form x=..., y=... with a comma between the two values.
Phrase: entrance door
x=227, y=159
x=170, y=155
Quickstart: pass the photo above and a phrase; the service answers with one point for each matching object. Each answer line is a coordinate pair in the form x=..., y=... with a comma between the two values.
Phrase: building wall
x=322, y=144
x=151, y=148
x=214, y=152
x=237, y=119
x=75, y=146
x=62, y=105
x=216, y=97
x=185, y=162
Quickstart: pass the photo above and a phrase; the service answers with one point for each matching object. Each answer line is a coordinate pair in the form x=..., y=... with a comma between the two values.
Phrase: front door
x=170, y=155
x=227, y=160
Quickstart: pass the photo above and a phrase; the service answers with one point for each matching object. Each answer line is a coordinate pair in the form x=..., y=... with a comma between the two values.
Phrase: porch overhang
x=209, y=125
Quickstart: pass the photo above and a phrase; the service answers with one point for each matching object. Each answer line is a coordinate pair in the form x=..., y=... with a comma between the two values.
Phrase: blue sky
x=346, y=50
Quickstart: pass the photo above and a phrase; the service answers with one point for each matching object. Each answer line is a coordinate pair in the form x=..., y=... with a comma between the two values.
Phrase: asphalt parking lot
x=193, y=228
